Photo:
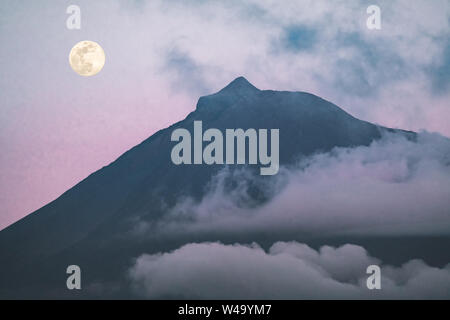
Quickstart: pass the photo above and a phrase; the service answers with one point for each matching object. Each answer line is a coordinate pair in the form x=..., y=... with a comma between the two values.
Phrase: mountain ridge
x=94, y=214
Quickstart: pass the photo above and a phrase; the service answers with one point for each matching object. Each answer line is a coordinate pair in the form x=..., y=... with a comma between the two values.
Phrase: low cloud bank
x=289, y=270
x=392, y=187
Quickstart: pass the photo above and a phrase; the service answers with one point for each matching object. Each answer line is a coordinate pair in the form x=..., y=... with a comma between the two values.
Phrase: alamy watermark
x=374, y=20
x=74, y=280
x=374, y=280
x=73, y=22
x=213, y=153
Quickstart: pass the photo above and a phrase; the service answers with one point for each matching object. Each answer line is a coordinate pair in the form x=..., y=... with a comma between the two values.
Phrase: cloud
x=298, y=38
x=319, y=46
x=441, y=71
x=391, y=76
x=186, y=73
x=392, y=187
x=287, y=271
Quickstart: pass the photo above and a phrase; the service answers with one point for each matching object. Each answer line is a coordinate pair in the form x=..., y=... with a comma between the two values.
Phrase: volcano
x=89, y=225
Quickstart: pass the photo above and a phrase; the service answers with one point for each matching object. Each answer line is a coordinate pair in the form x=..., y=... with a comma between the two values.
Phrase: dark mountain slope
x=87, y=224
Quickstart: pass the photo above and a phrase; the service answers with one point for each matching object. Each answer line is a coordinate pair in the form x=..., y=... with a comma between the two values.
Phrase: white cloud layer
x=392, y=187
x=287, y=271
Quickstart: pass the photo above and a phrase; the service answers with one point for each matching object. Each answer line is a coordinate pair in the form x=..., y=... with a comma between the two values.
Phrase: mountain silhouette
x=89, y=224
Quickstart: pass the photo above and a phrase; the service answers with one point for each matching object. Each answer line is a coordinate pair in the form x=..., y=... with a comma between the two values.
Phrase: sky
x=57, y=127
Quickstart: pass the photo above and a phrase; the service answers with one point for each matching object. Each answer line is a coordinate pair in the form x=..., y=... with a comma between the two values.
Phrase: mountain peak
x=239, y=85
x=123, y=196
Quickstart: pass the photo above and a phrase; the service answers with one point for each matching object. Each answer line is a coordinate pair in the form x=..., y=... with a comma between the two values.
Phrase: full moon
x=87, y=58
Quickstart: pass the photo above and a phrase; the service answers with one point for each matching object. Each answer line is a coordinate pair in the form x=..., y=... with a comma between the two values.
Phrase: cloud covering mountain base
x=396, y=186
x=393, y=187
x=289, y=270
